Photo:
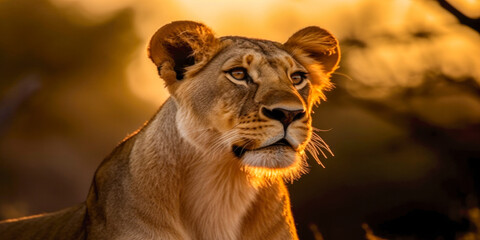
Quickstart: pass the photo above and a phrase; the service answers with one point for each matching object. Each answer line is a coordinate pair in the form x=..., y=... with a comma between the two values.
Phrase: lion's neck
x=218, y=196
x=211, y=193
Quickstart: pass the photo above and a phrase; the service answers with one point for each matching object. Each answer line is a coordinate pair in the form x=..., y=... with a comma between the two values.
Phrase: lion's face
x=248, y=98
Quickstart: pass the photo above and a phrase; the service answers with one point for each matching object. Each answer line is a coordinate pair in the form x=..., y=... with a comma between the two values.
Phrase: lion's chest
x=215, y=203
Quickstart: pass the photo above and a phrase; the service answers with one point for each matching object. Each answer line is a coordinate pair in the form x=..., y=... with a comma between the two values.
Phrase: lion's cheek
x=222, y=118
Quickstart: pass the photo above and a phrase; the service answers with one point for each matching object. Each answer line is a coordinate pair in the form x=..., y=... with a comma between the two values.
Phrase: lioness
x=212, y=162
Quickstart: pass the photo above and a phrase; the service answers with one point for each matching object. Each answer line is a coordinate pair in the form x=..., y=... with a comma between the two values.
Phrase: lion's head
x=246, y=98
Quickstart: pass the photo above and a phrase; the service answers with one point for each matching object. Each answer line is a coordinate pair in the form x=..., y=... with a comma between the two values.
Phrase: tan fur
x=210, y=164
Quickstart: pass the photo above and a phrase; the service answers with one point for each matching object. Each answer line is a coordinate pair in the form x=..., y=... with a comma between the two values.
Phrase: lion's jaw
x=276, y=159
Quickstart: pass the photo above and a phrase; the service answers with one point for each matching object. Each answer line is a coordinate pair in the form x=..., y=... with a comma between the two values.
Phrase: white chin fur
x=276, y=158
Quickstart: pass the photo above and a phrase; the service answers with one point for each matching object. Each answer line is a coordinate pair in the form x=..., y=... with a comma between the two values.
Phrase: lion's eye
x=238, y=73
x=298, y=77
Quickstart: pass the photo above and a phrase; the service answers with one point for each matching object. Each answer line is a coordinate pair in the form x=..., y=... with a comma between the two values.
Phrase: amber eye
x=238, y=73
x=298, y=77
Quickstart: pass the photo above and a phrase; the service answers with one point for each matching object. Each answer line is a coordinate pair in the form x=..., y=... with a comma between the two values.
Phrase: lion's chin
x=273, y=163
x=275, y=157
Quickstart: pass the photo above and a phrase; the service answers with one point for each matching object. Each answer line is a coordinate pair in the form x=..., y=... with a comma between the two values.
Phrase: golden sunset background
x=403, y=120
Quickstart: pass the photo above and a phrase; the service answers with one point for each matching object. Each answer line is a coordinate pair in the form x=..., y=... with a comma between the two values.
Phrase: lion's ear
x=317, y=44
x=178, y=45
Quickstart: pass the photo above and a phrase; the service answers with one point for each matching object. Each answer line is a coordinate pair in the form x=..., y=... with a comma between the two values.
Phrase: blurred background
x=403, y=121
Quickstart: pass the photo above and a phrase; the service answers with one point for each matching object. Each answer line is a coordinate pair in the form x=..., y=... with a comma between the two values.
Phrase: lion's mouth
x=239, y=151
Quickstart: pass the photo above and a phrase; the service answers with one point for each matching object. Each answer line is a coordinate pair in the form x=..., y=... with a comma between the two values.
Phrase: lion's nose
x=283, y=115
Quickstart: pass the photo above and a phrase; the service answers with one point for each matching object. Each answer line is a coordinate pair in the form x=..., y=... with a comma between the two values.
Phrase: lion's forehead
x=265, y=46
x=259, y=56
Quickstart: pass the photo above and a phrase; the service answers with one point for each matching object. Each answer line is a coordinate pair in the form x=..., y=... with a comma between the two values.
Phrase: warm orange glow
x=404, y=113
x=471, y=8
x=386, y=64
x=270, y=19
x=261, y=176
x=24, y=218
x=405, y=43
x=95, y=8
x=369, y=233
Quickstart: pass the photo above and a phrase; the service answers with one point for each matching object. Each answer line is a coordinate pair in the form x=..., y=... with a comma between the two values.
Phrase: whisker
x=320, y=130
x=316, y=147
x=317, y=138
x=314, y=153
x=343, y=75
x=221, y=141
